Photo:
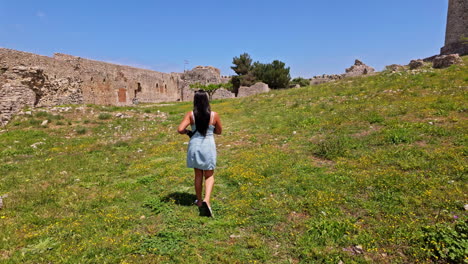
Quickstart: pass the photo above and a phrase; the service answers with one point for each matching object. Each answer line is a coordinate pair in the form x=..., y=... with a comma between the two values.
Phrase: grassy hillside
x=365, y=170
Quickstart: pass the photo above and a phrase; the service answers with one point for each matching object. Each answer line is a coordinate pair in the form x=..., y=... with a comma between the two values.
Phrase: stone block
x=254, y=89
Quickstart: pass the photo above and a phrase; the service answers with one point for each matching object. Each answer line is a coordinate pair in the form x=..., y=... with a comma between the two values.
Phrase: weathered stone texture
x=456, y=34
x=34, y=80
x=254, y=89
x=223, y=94
x=199, y=74
x=415, y=64
x=103, y=81
x=358, y=69
x=445, y=61
x=22, y=86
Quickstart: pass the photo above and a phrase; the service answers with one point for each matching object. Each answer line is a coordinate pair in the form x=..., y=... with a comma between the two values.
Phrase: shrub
x=398, y=136
x=374, y=117
x=42, y=114
x=104, y=116
x=80, y=130
x=301, y=81
x=446, y=242
x=332, y=147
x=35, y=122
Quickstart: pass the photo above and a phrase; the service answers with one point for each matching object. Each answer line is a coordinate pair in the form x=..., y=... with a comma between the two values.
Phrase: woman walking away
x=201, y=154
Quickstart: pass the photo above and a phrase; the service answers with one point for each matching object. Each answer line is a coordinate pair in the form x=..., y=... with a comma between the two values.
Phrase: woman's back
x=201, y=152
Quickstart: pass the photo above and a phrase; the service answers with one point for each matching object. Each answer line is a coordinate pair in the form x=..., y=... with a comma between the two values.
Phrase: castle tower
x=456, y=34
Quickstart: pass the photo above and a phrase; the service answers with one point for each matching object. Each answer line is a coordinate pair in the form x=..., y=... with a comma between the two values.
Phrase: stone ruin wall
x=358, y=69
x=31, y=80
x=112, y=84
x=456, y=33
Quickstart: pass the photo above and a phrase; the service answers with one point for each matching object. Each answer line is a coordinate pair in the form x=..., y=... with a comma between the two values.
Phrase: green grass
x=304, y=176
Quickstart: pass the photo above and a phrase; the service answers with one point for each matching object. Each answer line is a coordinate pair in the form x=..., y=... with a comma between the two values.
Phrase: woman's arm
x=184, y=124
x=218, y=126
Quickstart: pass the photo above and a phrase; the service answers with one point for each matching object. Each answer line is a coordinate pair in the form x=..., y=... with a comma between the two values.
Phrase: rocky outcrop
x=445, y=61
x=358, y=69
x=415, y=64
x=254, y=89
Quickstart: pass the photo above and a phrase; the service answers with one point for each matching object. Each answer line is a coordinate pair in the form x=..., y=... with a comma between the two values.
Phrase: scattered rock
x=44, y=123
x=37, y=144
x=415, y=64
x=466, y=207
x=445, y=61
x=119, y=115
x=142, y=217
x=234, y=236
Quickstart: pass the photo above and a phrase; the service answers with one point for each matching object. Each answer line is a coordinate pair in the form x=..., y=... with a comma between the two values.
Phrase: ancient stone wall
x=456, y=34
x=105, y=83
x=69, y=79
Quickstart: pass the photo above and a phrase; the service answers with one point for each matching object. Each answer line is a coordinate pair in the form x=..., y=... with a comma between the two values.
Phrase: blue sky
x=311, y=37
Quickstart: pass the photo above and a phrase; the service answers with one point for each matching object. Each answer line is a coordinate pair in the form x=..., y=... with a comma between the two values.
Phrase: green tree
x=275, y=74
x=243, y=68
x=242, y=64
x=210, y=89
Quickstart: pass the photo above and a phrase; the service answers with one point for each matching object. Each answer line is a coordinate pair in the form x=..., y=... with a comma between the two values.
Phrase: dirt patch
x=367, y=132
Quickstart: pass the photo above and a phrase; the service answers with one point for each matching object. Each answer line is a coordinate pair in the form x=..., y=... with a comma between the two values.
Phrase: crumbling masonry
x=31, y=80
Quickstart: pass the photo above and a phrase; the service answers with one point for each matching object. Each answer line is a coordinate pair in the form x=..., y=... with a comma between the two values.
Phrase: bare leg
x=199, y=185
x=209, y=182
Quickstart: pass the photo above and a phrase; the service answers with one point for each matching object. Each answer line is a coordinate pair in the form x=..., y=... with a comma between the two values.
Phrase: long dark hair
x=201, y=111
